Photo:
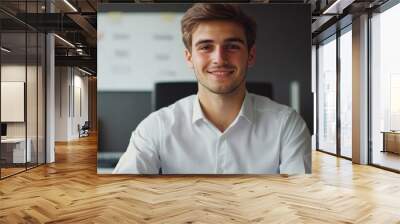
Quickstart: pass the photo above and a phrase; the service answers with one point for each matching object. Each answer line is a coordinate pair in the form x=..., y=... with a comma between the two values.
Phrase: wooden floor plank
x=70, y=191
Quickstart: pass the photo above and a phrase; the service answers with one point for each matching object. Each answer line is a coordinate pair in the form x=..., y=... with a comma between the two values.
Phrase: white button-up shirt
x=265, y=138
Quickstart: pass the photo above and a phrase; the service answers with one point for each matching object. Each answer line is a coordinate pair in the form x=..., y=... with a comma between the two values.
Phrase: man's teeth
x=221, y=73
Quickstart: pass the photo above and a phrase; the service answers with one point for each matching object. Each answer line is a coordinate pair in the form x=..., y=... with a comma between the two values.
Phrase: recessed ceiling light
x=70, y=5
x=64, y=40
x=5, y=49
x=84, y=71
x=337, y=7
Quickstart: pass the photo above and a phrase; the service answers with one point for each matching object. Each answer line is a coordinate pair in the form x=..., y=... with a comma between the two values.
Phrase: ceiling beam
x=83, y=61
x=84, y=24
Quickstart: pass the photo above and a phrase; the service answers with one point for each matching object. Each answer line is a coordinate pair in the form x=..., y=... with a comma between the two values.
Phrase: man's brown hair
x=201, y=12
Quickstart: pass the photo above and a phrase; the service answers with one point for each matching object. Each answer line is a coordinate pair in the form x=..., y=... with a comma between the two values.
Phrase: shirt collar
x=197, y=112
x=246, y=111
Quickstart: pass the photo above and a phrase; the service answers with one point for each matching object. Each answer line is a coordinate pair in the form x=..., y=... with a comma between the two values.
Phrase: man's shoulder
x=263, y=104
x=270, y=111
x=179, y=109
x=183, y=105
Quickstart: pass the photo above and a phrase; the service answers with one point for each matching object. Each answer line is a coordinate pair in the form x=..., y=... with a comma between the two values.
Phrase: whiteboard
x=12, y=101
x=136, y=50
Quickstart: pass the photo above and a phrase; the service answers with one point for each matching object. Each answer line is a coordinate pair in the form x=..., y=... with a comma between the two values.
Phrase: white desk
x=19, y=149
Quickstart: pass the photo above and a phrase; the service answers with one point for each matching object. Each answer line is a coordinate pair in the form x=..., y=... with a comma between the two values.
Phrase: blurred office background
x=140, y=45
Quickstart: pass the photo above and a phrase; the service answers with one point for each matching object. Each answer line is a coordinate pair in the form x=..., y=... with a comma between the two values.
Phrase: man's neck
x=221, y=109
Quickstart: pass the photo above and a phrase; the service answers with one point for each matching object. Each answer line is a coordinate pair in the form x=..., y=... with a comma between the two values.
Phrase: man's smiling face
x=220, y=56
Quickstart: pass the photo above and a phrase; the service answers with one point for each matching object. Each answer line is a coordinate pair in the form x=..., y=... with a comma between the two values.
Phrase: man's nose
x=219, y=56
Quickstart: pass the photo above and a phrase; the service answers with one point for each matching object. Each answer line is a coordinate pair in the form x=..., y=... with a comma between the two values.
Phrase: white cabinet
x=18, y=149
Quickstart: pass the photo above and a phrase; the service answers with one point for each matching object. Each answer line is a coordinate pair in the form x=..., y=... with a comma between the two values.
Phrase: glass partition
x=14, y=153
x=41, y=87
x=31, y=100
x=32, y=83
x=327, y=95
x=22, y=77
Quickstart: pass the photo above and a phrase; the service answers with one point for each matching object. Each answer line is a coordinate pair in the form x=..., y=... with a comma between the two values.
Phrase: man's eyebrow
x=206, y=41
x=232, y=39
x=235, y=39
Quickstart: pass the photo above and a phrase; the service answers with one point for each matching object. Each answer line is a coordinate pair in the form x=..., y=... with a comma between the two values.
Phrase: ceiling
x=73, y=20
x=76, y=22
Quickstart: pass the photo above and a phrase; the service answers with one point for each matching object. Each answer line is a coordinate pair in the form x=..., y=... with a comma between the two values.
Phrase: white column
x=314, y=92
x=50, y=93
x=360, y=90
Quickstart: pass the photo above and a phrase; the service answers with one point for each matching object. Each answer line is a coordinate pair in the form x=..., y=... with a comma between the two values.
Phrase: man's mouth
x=220, y=73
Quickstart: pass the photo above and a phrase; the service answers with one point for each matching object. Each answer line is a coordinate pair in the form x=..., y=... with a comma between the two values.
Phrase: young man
x=223, y=129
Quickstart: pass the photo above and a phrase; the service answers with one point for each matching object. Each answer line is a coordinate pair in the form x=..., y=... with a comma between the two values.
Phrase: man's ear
x=252, y=56
x=188, y=57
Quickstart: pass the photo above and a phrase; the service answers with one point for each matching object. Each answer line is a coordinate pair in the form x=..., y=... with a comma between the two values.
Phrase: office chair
x=167, y=93
x=84, y=130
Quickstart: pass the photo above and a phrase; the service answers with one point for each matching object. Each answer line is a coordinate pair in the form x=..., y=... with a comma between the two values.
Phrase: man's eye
x=232, y=47
x=205, y=47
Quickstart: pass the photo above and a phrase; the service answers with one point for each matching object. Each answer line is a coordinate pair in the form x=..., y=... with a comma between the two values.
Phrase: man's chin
x=222, y=90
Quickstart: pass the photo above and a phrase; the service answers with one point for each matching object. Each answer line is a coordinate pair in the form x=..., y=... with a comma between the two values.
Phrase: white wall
x=33, y=126
x=11, y=73
x=61, y=103
x=82, y=83
x=70, y=84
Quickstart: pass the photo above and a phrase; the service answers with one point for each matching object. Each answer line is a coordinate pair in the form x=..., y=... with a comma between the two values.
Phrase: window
x=327, y=95
x=346, y=93
x=385, y=88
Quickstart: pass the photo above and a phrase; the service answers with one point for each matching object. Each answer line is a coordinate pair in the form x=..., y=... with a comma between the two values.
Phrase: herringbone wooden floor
x=70, y=191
